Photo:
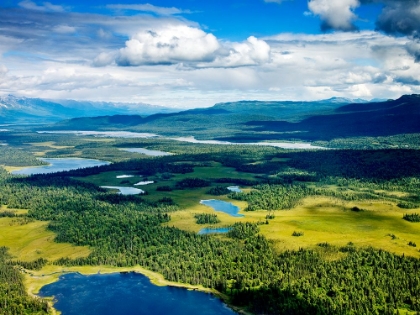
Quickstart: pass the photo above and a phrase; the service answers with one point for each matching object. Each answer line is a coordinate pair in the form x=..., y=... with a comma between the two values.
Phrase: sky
x=196, y=53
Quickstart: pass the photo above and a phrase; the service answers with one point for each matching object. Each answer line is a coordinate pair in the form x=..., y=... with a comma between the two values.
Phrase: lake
x=125, y=190
x=191, y=139
x=213, y=231
x=105, y=134
x=223, y=206
x=127, y=293
x=147, y=152
x=59, y=165
x=283, y=145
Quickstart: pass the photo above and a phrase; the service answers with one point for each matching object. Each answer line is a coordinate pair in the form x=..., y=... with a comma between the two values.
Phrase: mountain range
x=35, y=110
x=254, y=121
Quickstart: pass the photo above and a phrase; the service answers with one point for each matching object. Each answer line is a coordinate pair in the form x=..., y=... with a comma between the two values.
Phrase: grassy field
x=321, y=219
x=32, y=241
x=324, y=219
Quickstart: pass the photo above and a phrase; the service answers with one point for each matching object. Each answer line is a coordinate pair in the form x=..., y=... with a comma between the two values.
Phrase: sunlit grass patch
x=32, y=241
x=324, y=219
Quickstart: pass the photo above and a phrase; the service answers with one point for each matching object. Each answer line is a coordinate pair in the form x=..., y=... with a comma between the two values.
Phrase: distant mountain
x=221, y=120
x=287, y=110
x=34, y=110
x=367, y=119
x=254, y=120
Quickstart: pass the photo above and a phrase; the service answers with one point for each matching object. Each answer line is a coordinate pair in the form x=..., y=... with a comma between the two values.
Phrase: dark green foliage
x=360, y=164
x=413, y=217
x=273, y=197
x=356, y=209
x=18, y=157
x=243, y=230
x=236, y=181
x=192, y=183
x=218, y=191
x=324, y=244
x=297, y=233
x=7, y=213
x=206, y=218
x=410, y=243
x=33, y=265
x=13, y=297
x=393, y=236
x=166, y=201
x=407, y=205
x=164, y=188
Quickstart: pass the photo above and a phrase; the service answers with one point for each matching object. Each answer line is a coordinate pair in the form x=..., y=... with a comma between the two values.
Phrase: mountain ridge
x=304, y=121
x=15, y=109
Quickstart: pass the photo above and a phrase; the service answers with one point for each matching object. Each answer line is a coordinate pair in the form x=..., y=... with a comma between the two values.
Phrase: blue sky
x=195, y=53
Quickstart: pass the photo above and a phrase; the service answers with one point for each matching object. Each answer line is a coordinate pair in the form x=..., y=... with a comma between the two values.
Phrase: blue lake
x=147, y=152
x=125, y=190
x=59, y=165
x=223, y=206
x=213, y=231
x=128, y=293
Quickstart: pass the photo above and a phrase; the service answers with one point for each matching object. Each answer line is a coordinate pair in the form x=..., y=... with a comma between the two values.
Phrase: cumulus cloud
x=399, y=17
x=251, y=52
x=335, y=14
x=413, y=48
x=148, y=8
x=189, y=47
x=168, y=45
x=46, y=6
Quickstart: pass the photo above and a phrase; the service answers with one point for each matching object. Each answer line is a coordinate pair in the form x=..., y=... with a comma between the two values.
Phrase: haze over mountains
x=35, y=110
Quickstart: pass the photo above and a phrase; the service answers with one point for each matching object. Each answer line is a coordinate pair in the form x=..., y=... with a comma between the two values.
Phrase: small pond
x=234, y=189
x=213, y=231
x=223, y=206
x=59, y=165
x=143, y=183
x=125, y=190
x=127, y=293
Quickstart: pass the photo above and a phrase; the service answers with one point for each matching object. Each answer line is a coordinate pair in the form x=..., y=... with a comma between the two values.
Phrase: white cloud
x=147, y=8
x=251, y=52
x=168, y=45
x=335, y=14
x=190, y=47
x=3, y=70
x=46, y=6
x=104, y=59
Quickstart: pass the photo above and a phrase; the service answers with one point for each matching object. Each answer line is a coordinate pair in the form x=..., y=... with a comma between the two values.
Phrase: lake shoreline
x=33, y=286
